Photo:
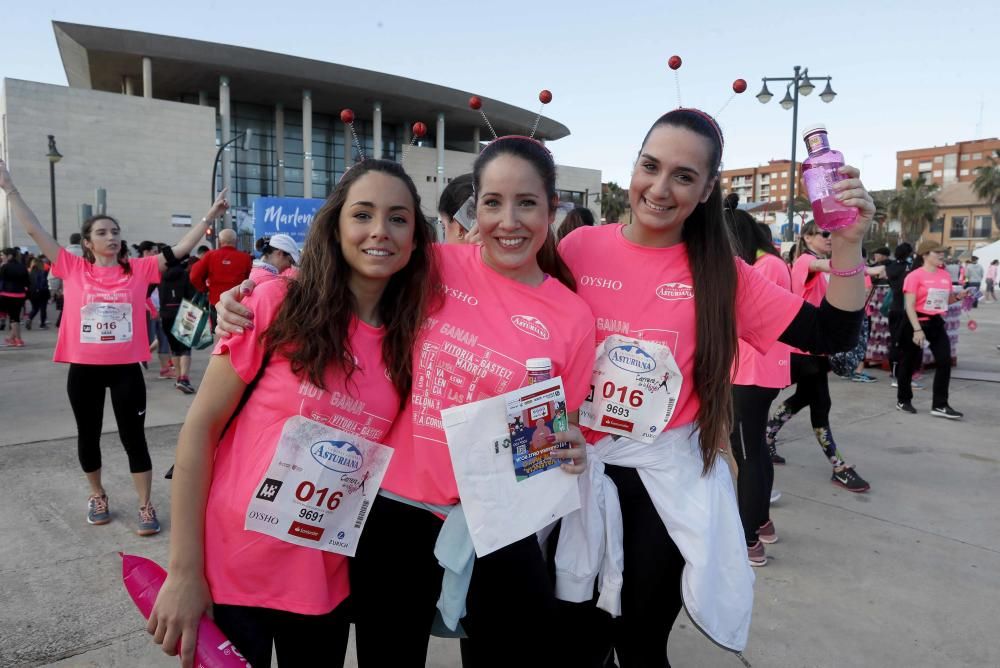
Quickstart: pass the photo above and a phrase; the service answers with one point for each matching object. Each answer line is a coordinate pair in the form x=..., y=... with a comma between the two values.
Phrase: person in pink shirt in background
x=103, y=339
x=342, y=333
x=756, y=382
x=928, y=291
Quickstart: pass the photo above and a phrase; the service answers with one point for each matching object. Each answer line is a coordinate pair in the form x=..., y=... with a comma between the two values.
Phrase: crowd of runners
x=358, y=328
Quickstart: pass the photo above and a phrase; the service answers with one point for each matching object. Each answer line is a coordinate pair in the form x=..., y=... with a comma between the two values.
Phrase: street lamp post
x=800, y=82
x=54, y=156
x=215, y=167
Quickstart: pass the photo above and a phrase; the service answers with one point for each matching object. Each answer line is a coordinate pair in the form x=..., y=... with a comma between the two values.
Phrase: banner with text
x=287, y=215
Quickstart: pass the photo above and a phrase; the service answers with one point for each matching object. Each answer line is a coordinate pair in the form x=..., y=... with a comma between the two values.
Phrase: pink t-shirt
x=931, y=288
x=647, y=293
x=810, y=286
x=770, y=369
x=250, y=568
x=476, y=347
x=104, y=312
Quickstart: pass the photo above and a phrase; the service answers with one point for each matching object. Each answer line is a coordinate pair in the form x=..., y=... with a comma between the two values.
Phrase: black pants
x=300, y=640
x=751, y=409
x=85, y=385
x=396, y=582
x=39, y=306
x=809, y=373
x=651, y=592
x=911, y=355
x=896, y=319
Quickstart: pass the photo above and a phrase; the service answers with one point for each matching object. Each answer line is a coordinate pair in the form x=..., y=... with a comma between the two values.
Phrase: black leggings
x=910, y=356
x=396, y=582
x=809, y=374
x=299, y=640
x=85, y=385
x=751, y=407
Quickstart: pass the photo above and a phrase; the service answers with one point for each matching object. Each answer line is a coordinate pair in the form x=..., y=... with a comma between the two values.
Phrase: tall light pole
x=245, y=136
x=800, y=82
x=54, y=156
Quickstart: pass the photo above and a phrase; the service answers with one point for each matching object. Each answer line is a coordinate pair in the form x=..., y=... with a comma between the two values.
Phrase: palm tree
x=987, y=185
x=614, y=202
x=914, y=206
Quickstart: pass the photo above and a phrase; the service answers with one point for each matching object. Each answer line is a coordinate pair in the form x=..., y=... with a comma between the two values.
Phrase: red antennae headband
x=739, y=86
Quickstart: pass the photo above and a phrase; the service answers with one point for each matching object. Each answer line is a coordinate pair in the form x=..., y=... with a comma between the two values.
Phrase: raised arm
x=24, y=215
x=187, y=243
x=848, y=292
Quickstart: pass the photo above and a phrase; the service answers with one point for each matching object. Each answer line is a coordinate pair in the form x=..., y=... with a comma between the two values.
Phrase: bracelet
x=850, y=272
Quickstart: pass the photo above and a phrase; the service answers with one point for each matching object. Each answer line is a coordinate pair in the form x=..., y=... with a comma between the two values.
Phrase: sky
x=908, y=75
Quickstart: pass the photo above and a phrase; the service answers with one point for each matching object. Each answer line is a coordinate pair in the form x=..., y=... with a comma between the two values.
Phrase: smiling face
x=376, y=228
x=513, y=213
x=671, y=177
x=103, y=239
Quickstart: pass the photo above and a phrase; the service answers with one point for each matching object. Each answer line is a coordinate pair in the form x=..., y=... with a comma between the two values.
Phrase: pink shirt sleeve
x=246, y=351
x=66, y=264
x=800, y=273
x=763, y=309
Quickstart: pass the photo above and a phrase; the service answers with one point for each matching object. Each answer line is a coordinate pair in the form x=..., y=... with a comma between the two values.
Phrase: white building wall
x=153, y=157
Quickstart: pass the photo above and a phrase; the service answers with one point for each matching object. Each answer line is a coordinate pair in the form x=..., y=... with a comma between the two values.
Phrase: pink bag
x=143, y=579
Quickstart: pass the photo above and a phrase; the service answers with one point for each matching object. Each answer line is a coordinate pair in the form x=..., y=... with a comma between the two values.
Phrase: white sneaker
x=775, y=496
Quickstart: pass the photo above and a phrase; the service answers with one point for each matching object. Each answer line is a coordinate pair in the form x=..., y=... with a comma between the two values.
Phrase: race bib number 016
x=634, y=390
x=319, y=487
x=106, y=323
x=937, y=300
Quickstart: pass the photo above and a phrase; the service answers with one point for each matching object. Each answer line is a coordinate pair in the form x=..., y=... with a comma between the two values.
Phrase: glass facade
x=572, y=197
x=255, y=170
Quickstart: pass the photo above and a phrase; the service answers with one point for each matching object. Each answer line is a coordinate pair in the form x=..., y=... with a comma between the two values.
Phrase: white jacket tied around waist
x=700, y=513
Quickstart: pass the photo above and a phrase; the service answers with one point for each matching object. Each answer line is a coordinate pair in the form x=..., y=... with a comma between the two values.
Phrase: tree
x=614, y=202
x=987, y=185
x=914, y=206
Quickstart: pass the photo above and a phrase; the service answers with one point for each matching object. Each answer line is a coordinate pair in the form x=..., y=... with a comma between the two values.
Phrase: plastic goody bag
x=143, y=579
x=192, y=326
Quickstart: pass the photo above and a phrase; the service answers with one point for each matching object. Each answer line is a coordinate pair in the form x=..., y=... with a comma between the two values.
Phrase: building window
x=977, y=156
x=981, y=226
x=784, y=186
x=571, y=196
x=926, y=176
x=937, y=173
x=907, y=162
x=965, y=157
x=937, y=227
x=907, y=175
x=784, y=198
x=964, y=172
x=924, y=167
x=938, y=159
x=784, y=175
x=959, y=227
x=725, y=179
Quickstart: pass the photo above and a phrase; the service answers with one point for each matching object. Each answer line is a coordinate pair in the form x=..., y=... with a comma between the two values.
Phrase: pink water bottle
x=819, y=172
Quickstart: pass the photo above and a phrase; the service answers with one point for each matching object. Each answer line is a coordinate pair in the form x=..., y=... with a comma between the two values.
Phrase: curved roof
x=98, y=58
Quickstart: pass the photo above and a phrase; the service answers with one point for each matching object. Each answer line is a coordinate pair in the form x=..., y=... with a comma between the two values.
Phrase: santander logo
x=674, y=291
x=531, y=325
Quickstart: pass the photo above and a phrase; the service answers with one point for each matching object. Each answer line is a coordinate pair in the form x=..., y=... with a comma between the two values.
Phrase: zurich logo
x=339, y=456
x=632, y=358
x=531, y=325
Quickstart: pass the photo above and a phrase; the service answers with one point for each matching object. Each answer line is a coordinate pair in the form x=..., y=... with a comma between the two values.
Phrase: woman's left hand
x=575, y=456
x=851, y=192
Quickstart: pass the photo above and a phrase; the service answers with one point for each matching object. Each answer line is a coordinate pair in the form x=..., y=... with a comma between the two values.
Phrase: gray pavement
x=906, y=575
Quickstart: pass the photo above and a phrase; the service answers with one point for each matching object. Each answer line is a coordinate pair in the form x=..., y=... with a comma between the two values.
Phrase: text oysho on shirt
x=474, y=347
x=104, y=310
x=772, y=368
x=249, y=568
x=931, y=289
x=648, y=293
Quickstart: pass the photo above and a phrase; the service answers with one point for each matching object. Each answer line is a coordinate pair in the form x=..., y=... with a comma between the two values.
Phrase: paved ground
x=906, y=575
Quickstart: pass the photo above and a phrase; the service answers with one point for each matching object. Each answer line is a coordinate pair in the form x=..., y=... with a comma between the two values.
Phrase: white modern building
x=143, y=116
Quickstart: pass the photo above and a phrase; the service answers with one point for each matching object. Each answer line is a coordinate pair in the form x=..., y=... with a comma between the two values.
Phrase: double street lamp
x=802, y=83
x=54, y=156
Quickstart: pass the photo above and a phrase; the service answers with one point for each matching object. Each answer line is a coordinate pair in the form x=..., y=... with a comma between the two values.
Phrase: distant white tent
x=987, y=254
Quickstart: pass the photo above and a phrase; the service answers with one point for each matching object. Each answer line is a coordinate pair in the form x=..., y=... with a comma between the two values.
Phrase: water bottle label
x=818, y=141
x=819, y=181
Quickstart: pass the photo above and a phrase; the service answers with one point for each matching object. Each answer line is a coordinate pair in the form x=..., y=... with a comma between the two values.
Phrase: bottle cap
x=812, y=129
x=539, y=364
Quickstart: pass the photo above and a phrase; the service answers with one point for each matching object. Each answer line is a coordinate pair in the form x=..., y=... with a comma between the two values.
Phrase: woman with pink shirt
x=927, y=294
x=669, y=284
x=103, y=339
x=504, y=302
x=811, y=277
x=756, y=382
x=334, y=348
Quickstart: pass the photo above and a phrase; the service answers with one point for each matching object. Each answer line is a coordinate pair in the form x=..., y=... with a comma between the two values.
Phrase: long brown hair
x=713, y=268
x=801, y=247
x=88, y=255
x=312, y=327
x=549, y=260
